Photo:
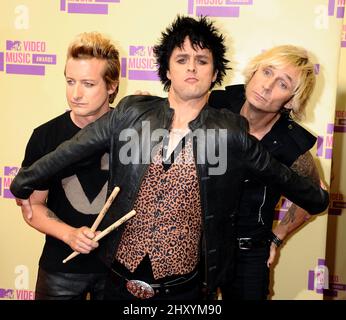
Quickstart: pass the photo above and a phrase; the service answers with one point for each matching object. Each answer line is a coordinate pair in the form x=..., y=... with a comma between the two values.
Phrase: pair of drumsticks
x=99, y=218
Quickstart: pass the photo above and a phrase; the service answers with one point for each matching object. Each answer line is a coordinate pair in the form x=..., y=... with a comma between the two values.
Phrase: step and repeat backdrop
x=34, y=36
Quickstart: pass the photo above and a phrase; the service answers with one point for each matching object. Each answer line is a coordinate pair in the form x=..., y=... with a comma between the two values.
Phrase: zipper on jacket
x=203, y=206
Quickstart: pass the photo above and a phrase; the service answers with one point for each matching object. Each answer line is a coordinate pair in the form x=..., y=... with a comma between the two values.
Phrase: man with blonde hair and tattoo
x=278, y=84
x=66, y=207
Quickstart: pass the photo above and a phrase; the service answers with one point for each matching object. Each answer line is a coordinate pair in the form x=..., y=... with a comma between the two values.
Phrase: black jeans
x=69, y=286
x=251, y=281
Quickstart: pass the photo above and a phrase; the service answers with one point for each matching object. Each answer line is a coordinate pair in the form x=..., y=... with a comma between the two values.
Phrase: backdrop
x=34, y=36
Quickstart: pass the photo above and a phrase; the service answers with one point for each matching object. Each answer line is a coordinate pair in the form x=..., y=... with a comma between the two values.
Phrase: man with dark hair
x=180, y=165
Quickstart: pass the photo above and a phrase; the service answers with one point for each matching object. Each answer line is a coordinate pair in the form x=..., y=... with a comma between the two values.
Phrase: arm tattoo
x=51, y=215
x=290, y=215
x=304, y=166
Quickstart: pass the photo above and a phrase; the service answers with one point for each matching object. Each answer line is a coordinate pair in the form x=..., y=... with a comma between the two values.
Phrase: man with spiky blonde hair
x=67, y=206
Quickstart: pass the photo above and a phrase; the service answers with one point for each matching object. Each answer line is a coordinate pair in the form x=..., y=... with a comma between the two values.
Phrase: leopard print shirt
x=168, y=222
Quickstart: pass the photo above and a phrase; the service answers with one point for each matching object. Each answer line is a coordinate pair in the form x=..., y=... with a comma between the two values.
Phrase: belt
x=143, y=290
x=251, y=243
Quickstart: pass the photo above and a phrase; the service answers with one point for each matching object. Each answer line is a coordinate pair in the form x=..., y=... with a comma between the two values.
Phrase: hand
x=25, y=206
x=323, y=186
x=80, y=240
x=272, y=254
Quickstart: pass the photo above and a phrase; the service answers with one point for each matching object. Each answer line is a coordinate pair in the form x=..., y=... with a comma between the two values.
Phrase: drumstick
x=113, y=226
x=104, y=209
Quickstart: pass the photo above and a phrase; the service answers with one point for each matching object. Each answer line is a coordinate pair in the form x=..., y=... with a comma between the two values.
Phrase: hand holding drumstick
x=113, y=226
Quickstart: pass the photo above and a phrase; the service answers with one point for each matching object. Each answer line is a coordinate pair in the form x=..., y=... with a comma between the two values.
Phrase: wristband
x=277, y=241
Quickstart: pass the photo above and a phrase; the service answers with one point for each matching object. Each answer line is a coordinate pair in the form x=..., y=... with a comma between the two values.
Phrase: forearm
x=293, y=219
x=300, y=189
x=46, y=221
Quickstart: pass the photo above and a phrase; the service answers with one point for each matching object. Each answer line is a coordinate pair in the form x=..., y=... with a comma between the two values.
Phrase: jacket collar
x=193, y=125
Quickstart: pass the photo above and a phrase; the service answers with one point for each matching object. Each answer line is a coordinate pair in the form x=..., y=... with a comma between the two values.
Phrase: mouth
x=191, y=80
x=77, y=104
x=259, y=97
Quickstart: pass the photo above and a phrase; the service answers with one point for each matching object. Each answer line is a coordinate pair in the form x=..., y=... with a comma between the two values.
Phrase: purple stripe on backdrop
x=339, y=129
x=8, y=194
x=113, y=1
x=330, y=128
x=330, y=293
x=311, y=280
x=62, y=5
x=143, y=75
x=340, y=11
x=1, y=61
x=88, y=8
x=319, y=290
x=319, y=146
x=44, y=58
x=190, y=7
x=239, y=2
x=331, y=5
x=338, y=286
x=339, y=204
x=123, y=67
x=25, y=69
x=218, y=11
x=343, y=44
x=329, y=153
x=334, y=212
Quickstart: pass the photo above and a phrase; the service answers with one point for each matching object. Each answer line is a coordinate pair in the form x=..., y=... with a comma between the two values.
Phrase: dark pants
x=69, y=286
x=251, y=280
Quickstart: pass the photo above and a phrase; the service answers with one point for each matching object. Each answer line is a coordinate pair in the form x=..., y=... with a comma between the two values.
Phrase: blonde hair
x=288, y=55
x=90, y=45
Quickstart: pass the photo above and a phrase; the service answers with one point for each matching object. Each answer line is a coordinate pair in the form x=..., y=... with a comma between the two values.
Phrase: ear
x=214, y=76
x=112, y=87
x=168, y=75
x=288, y=105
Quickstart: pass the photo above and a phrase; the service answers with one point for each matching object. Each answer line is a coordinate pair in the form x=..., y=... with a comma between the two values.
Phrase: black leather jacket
x=219, y=193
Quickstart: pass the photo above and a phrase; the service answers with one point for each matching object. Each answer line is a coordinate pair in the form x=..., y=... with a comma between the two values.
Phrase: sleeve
x=300, y=190
x=34, y=149
x=93, y=138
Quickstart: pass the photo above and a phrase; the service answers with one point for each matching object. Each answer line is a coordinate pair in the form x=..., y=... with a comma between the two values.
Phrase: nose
x=77, y=92
x=191, y=66
x=268, y=84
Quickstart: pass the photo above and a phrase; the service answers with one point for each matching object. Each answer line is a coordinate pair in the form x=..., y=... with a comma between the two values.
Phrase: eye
x=283, y=85
x=88, y=84
x=69, y=82
x=202, y=61
x=267, y=72
x=181, y=60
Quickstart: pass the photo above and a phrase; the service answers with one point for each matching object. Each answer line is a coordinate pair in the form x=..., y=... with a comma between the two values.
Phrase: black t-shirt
x=76, y=195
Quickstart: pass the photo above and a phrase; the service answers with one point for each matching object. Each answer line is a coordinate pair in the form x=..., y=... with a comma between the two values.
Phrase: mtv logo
x=137, y=50
x=10, y=171
x=6, y=293
x=15, y=45
x=321, y=278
